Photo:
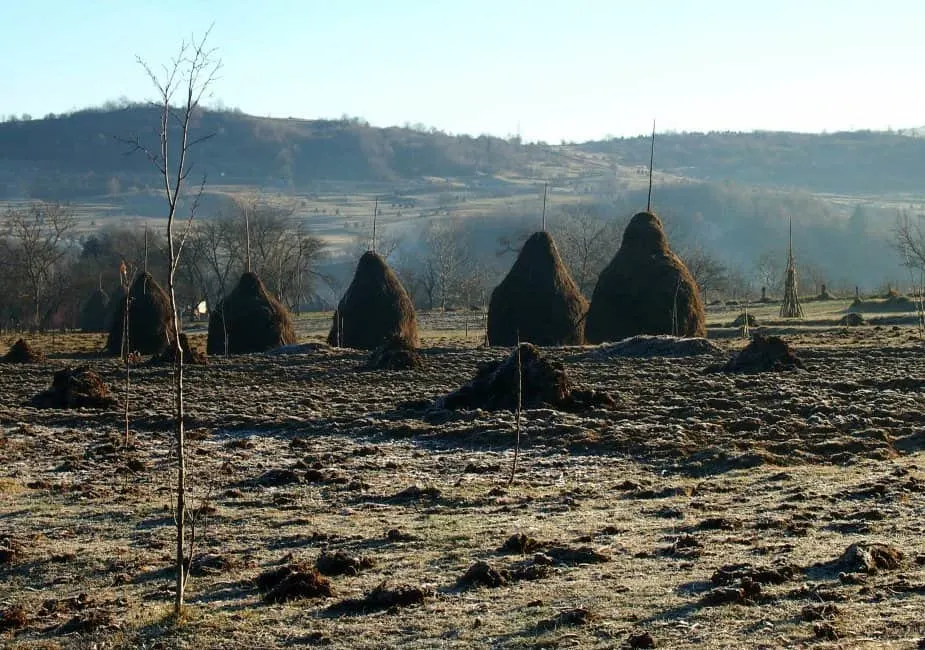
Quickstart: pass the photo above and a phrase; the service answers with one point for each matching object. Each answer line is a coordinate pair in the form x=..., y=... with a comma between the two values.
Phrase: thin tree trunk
x=179, y=430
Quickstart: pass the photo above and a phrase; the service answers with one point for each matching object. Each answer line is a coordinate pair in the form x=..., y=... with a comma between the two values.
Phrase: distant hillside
x=844, y=163
x=80, y=154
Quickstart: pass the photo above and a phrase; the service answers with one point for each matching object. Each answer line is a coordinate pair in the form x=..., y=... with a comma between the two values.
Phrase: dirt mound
x=293, y=581
x=95, y=312
x=75, y=388
x=375, y=309
x=395, y=354
x=893, y=303
x=380, y=598
x=22, y=352
x=646, y=289
x=645, y=346
x=252, y=318
x=744, y=318
x=149, y=322
x=542, y=383
x=866, y=557
x=852, y=320
x=537, y=300
x=190, y=356
x=336, y=563
x=763, y=354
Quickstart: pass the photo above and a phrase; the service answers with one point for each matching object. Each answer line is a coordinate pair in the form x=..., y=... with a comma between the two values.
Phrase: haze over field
x=764, y=112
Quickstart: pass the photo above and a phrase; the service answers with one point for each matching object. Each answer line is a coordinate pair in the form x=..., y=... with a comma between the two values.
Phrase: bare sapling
x=180, y=89
x=518, y=402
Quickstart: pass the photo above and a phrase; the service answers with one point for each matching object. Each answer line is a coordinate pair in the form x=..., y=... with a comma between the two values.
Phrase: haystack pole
x=790, y=307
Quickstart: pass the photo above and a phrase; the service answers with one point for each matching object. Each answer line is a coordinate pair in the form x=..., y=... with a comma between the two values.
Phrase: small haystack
x=790, y=306
x=542, y=383
x=744, y=319
x=852, y=319
x=763, y=354
x=190, y=356
x=646, y=289
x=73, y=388
x=395, y=354
x=149, y=322
x=824, y=294
x=22, y=352
x=375, y=309
x=94, y=313
x=538, y=299
x=253, y=319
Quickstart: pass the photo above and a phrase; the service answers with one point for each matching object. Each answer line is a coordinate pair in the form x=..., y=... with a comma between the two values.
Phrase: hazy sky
x=575, y=69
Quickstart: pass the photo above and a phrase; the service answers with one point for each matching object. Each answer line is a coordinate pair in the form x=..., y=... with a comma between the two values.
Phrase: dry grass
x=688, y=474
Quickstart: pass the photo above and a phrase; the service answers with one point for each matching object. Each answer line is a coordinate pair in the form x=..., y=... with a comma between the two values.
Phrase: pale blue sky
x=575, y=69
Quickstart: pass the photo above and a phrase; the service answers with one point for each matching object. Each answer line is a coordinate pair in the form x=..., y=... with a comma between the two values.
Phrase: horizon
x=569, y=73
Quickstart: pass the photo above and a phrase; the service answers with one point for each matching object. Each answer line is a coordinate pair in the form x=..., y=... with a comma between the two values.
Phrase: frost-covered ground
x=628, y=512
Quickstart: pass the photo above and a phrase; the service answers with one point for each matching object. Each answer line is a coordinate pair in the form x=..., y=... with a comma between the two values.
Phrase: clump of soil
x=381, y=598
x=852, y=319
x=22, y=352
x=190, y=356
x=520, y=543
x=573, y=556
x=819, y=612
x=292, y=582
x=542, y=383
x=212, y=564
x=13, y=618
x=482, y=573
x=394, y=354
x=645, y=346
x=341, y=563
x=640, y=640
x=75, y=388
x=9, y=549
x=763, y=354
x=866, y=557
x=747, y=593
x=732, y=573
x=90, y=621
x=742, y=319
x=568, y=618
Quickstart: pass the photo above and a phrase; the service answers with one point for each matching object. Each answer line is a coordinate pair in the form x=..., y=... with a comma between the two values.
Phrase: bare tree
x=587, y=241
x=447, y=261
x=909, y=240
x=36, y=244
x=769, y=271
x=709, y=272
x=188, y=78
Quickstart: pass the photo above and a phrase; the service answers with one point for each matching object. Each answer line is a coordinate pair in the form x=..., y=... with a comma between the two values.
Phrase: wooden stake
x=247, y=239
x=146, y=246
x=545, y=189
x=375, y=214
x=651, y=163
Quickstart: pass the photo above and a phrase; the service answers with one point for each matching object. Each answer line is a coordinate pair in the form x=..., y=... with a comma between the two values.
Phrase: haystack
x=538, y=299
x=646, y=289
x=75, y=388
x=763, y=354
x=253, y=319
x=94, y=313
x=374, y=309
x=191, y=356
x=149, y=322
x=22, y=352
x=542, y=383
x=394, y=354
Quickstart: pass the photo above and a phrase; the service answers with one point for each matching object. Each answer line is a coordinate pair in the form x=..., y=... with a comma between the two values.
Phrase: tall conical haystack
x=375, y=309
x=646, y=289
x=94, y=313
x=538, y=298
x=790, y=306
x=149, y=322
x=254, y=320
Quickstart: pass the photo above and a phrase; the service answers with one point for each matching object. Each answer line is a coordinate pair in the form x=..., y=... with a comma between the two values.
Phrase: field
x=703, y=510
